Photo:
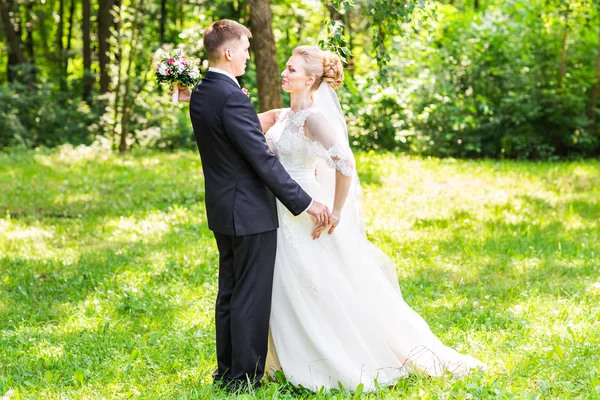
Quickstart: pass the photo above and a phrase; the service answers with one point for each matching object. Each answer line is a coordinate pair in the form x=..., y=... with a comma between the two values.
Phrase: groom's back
x=219, y=156
x=238, y=202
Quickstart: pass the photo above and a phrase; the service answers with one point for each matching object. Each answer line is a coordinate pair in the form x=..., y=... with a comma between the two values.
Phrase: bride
x=337, y=315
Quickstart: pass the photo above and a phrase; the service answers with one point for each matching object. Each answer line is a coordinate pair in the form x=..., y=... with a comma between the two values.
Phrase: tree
x=263, y=45
x=70, y=31
x=13, y=36
x=563, y=54
x=137, y=26
x=29, y=46
x=163, y=21
x=88, y=79
x=105, y=21
x=594, y=95
x=60, y=49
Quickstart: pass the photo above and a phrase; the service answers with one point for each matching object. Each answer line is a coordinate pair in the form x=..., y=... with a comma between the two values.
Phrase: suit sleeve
x=242, y=126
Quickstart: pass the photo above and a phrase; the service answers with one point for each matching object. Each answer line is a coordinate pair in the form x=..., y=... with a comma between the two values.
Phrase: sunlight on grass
x=108, y=273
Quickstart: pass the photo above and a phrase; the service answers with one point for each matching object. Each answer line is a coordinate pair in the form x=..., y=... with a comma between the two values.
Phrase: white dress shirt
x=220, y=71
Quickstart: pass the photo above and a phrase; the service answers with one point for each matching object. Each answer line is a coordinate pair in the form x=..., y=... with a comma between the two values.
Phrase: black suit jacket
x=241, y=175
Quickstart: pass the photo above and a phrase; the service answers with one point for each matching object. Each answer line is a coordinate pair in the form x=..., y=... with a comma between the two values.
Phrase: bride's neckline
x=304, y=108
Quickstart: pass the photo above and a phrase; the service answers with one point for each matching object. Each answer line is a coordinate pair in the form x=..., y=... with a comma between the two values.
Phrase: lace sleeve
x=330, y=143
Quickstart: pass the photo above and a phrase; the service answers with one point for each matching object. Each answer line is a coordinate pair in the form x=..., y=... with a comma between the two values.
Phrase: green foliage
x=497, y=96
x=108, y=273
x=38, y=116
x=422, y=77
x=483, y=85
x=385, y=22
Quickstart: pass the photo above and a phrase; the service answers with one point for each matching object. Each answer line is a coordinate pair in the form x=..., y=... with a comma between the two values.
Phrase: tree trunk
x=263, y=44
x=127, y=97
x=163, y=21
x=118, y=56
x=105, y=21
x=563, y=55
x=13, y=39
x=594, y=95
x=476, y=4
x=117, y=28
x=60, y=49
x=70, y=31
x=29, y=39
x=181, y=13
x=88, y=79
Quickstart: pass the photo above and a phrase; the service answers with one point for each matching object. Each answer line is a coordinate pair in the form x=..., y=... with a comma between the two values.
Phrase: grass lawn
x=108, y=274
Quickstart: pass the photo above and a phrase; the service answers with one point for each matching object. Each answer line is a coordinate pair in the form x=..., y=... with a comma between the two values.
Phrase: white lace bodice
x=296, y=151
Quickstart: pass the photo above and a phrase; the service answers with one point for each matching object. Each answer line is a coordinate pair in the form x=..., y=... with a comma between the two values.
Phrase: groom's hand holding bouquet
x=181, y=72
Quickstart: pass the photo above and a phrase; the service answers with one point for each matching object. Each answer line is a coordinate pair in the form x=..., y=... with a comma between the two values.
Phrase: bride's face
x=294, y=78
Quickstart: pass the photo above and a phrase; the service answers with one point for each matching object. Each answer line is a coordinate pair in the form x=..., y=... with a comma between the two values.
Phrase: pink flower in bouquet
x=245, y=91
x=171, y=61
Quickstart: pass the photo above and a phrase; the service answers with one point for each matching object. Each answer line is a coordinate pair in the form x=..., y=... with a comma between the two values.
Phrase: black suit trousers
x=244, y=305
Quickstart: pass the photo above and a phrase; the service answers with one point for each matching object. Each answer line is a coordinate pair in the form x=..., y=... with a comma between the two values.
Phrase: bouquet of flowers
x=175, y=68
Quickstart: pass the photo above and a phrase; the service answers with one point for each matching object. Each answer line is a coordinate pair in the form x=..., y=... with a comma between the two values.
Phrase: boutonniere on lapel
x=245, y=91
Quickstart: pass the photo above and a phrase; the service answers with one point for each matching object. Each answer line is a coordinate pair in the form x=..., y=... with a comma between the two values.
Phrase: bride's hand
x=335, y=221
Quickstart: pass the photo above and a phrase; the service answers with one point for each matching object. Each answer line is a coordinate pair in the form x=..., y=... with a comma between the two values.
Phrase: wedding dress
x=337, y=314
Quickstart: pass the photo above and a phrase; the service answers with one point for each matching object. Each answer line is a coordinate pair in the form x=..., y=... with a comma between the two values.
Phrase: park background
x=475, y=126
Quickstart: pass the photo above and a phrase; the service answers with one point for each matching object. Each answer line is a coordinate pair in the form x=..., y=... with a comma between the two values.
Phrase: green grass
x=108, y=274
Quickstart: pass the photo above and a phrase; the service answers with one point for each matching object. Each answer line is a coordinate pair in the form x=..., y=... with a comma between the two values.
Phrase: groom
x=242, y=178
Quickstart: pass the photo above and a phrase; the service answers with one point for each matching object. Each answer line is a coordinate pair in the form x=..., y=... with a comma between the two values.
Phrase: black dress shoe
x=220, y=380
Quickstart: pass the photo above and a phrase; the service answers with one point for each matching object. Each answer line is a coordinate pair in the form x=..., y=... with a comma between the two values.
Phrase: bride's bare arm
x=342, y=188
x=267, y=119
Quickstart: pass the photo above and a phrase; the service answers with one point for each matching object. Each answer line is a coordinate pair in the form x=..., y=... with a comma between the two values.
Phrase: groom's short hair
x=220, y=32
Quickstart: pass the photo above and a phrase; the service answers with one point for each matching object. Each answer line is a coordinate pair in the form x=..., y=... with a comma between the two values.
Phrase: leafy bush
x=482, y=85
x=31, y=117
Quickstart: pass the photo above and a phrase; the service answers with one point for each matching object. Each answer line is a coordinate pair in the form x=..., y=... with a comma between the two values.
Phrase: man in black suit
x=242, y=178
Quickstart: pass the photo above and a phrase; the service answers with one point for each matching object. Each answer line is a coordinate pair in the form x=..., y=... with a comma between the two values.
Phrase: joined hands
x=324, y=219
x=335, y=221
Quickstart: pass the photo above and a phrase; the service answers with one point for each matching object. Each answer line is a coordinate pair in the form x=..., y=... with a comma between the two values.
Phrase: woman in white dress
x=337, y=314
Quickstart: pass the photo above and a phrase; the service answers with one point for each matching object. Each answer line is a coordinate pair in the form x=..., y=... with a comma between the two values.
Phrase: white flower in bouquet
x=194, y=73
x=162, y=70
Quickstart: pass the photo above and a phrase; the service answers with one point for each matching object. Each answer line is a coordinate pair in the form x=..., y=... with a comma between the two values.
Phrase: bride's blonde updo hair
x=325, y=65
